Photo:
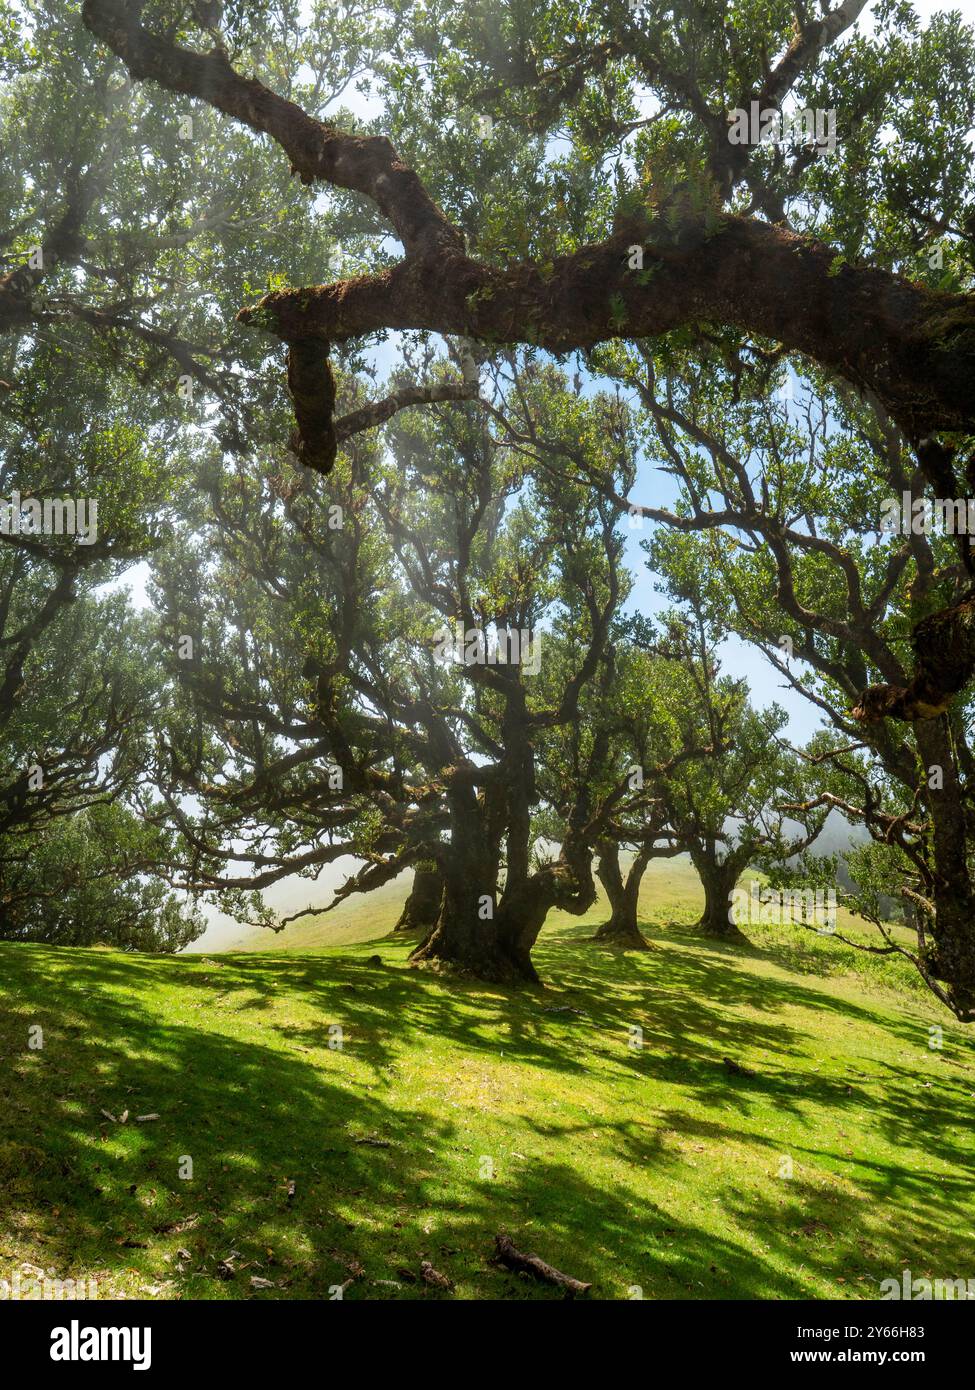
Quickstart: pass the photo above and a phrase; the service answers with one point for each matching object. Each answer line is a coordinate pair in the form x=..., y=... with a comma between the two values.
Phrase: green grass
x=366, y=917
x=670, y=893
x=658, y=1167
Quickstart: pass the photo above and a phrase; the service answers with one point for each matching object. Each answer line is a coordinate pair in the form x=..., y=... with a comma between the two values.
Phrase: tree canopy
x=358, y=323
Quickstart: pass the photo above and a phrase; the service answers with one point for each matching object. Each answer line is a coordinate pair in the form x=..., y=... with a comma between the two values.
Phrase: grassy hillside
x=454, y=1111
x=363, y=918
x=670, y=893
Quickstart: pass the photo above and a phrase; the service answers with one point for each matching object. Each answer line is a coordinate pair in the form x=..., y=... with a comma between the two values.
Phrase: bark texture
x=946, y=939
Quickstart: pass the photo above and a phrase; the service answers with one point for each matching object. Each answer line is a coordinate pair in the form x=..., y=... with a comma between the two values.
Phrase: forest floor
x=346, y=1120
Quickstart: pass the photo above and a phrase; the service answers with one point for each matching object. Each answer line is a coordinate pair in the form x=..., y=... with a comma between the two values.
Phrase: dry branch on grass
x=507, y=1255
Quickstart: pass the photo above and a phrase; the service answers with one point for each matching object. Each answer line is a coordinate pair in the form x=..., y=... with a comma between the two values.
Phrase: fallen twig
x=507, y=1255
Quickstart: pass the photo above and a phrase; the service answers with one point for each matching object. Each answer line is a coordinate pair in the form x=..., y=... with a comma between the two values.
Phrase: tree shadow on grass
x=97, y=1196
x=251, y=1119
x=94, y=1194
x=693, y=981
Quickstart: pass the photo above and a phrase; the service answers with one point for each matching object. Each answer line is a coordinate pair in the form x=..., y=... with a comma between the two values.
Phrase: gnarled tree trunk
x=422, y=907
x=718, y=879
x=566, y=883
x=624, y=894
x=493, y=938
x=465, y=935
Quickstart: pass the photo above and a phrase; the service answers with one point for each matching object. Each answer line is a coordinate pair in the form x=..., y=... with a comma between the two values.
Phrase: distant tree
x=669, y=707
x=727, y=810
x=623, y=895
x=94, y=878
x=791, y=519
x=324, y=648
x=79, y=676
x=634, y=737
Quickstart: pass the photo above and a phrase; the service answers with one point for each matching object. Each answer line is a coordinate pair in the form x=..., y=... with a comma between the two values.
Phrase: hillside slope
x=453, y=1111
x=670, y=892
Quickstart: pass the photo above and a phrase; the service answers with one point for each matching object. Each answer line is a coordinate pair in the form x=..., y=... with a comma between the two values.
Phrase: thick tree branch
x=913, y=347
x=944, y=662
x=364, y=164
